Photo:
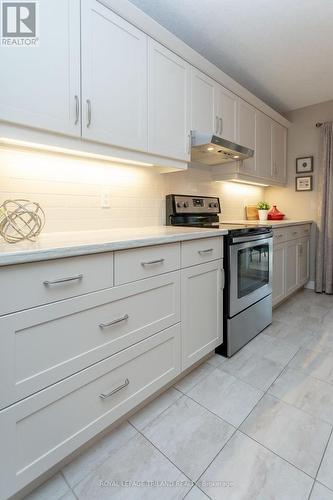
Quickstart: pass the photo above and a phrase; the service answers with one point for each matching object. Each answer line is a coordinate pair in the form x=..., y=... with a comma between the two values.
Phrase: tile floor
x=257, y=426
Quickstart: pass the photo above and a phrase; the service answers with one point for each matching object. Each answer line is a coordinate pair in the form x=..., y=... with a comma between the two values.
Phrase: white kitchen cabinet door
x=263, y=145
x=279, y=151
x=201, y=310
x=114, y=79
x=227, y=113
x=168, y=103
x=279, y=275
x=204, y=111
x=291, y=269
x=246, y=134
x=40, y=86
x=303, y=261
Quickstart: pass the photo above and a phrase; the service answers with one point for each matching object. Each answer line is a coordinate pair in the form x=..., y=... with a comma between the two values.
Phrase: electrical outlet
x=105, y=198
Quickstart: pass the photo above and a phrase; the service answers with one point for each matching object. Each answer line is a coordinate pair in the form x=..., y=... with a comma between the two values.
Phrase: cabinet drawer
x=279, y=235
x=81, y=406
x=30, y=285
x=43, y=345
x=199, y=251
x=301, y=231
x=139, y=263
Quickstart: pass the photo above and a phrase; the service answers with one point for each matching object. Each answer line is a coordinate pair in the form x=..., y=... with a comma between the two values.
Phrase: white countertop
x=68, y=244
x=273, y=223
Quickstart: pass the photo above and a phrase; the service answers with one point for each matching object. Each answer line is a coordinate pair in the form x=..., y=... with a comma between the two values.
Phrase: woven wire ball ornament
x=21, y=220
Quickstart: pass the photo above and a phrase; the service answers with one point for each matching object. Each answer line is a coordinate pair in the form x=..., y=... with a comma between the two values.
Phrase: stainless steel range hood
x=211, y=149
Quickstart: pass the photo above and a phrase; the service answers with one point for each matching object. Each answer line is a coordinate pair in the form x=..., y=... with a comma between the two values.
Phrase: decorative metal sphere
x=21, y=220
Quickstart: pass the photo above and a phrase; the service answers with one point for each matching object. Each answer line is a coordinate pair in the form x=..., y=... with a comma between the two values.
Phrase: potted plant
x=263, y=208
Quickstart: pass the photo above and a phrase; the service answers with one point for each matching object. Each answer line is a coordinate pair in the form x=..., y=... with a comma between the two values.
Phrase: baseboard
x=310, y=285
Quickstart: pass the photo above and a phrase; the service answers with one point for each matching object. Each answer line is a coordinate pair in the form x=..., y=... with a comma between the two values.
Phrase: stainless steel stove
x=248, y=256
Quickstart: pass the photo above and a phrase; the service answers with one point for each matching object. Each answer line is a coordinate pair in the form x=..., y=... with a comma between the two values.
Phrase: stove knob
x=213, y=205
x=186, y=204
x=179, y=205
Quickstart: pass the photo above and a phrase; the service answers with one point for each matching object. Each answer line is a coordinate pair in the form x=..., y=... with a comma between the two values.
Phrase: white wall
x=69, y=189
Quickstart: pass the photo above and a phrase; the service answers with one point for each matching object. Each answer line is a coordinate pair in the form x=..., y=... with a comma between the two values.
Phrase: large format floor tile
x=253, y=369
x=226, y=396
x=322, y=340
x=189, y=435
x=317, y=364
x=92, y=458
x=292, y=434
x=245, y=470
x=133, y=473
x=306, y=393
x=325, y=474
x=53, y=489
x=293, y=334
x=143, y=417
x=320, y=492
x=277, y=350
x=194, y=377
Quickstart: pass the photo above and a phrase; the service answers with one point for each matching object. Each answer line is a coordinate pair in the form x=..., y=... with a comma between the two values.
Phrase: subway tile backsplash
x=69, y=190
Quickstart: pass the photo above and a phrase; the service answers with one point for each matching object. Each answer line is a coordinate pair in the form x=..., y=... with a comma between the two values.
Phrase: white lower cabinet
x=279, y=265
x=303, y=260
x=41, y=430
x=201, y=310
x=70, y=366
x=290, y=261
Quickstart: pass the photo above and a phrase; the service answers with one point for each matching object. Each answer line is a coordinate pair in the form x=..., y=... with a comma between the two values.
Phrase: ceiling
x=281, y=50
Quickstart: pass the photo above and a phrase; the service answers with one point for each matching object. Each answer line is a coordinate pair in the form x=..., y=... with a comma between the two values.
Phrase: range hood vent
x=211, y=149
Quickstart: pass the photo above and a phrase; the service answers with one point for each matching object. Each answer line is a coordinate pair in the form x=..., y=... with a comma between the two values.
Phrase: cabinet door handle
x=89, y=112
x=294, y=233
x=63, y=280
x=189, y=144
x=117, y=389
x=77, y=109
x=151, y=262
x=221, y=125
x=203, y=252
x=114, y=322
x=216, y=124
x=222, y=279
x=279, y=236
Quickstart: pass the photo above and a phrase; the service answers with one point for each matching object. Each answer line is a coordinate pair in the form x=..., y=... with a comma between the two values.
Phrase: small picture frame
x=304, y=183
x=304, y=165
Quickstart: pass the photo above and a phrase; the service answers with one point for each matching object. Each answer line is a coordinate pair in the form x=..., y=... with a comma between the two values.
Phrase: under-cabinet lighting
x=240, y=181
x=71, y=152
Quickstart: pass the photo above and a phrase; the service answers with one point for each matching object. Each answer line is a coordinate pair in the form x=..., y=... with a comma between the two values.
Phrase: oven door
x=250, y=273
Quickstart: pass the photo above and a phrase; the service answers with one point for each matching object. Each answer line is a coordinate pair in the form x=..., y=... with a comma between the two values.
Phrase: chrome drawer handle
x=88, y=101
x=149, y=263
x=114, y=322
x=77, y=109
x=108, y=394
x=63, y=280
x=208, y=250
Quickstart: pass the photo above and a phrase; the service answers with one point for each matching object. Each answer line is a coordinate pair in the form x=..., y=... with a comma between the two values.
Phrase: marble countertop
x=273, y=223
x=69, y=244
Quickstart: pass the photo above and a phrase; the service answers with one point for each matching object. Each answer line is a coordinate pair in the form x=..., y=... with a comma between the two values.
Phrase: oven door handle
x=243, y=239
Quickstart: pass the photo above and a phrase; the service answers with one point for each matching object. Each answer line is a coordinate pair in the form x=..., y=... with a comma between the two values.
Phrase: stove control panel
x=183, y=204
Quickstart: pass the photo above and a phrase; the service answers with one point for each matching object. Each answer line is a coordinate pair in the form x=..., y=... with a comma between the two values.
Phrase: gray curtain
x=324, y=255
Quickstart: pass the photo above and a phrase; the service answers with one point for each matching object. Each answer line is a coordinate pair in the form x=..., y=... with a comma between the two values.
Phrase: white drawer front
x=30, y=285
x=43, y=345
x=39, y=431
x=139, y=263
x=279, y=235
x=199, y=251
x=294, y=232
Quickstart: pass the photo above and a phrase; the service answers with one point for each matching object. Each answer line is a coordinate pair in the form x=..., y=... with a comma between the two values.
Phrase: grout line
x=322, y=458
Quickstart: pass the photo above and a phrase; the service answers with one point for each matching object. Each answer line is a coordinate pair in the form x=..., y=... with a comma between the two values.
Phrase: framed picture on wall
x=304, y=165
x=304, y=183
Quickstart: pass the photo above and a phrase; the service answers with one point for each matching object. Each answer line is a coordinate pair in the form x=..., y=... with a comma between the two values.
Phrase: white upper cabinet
x=227, y=103
x=246, y=134
x=204, y=116
x=114, y=79
x=263, y=145
x=40, y=86
x=279, y=151
x=168, y=103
